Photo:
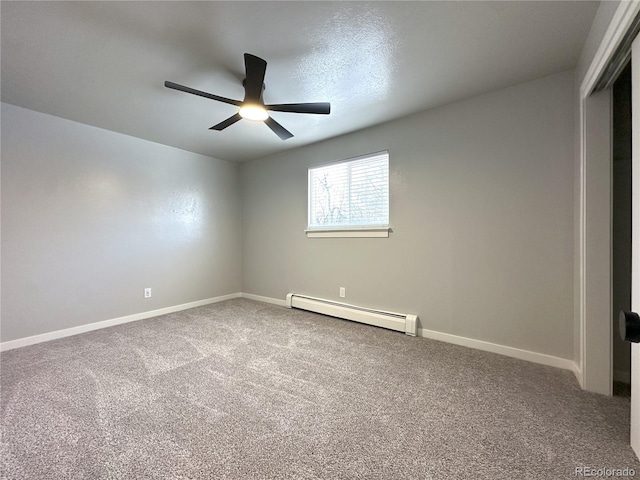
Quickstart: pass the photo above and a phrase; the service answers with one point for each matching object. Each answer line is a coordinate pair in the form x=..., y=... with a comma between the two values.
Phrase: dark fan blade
x=278, y=129
x=229, y=121
x=255, y=68
x=182, y=88
x=322, y=108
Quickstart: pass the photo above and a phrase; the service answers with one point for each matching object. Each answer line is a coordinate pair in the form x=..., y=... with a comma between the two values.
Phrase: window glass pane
x=353, y=193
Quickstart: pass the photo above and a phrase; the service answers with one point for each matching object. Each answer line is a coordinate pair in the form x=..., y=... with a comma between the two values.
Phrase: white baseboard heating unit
x=401, y=322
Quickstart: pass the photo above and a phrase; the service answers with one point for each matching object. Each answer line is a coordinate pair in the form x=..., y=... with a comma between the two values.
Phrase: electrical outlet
x=343, y=292
x=147, y=292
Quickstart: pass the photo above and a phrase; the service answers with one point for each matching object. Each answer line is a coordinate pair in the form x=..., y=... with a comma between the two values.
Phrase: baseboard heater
x=401, y=322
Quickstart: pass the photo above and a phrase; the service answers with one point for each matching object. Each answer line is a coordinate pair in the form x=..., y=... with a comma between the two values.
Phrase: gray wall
x=482, y=217
x=481, y=207
x=91, y=217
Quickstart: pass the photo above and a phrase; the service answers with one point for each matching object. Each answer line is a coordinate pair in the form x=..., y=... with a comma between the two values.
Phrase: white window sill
x=364, y=232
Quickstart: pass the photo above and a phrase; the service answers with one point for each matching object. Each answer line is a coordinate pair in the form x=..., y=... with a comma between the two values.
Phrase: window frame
x=348, y=231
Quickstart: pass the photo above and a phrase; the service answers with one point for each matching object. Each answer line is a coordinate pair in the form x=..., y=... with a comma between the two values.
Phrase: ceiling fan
x=253, y=107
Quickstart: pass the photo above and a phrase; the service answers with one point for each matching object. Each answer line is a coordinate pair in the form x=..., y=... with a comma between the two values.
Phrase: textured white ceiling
x=104, y=63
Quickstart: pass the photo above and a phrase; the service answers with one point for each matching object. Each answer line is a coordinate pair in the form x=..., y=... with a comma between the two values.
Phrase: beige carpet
x=242, y=389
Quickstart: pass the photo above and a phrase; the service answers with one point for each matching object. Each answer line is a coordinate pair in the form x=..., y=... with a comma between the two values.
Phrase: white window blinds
x=353, y=193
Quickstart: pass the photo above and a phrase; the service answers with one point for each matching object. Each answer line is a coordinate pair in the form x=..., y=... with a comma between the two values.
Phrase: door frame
x=594, y=370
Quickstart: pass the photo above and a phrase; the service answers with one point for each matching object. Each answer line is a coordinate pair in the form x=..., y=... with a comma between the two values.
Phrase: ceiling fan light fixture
x=252, y=107
x=253, y=112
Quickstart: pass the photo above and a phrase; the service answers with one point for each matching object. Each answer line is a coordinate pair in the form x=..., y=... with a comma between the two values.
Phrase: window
x=350, y=198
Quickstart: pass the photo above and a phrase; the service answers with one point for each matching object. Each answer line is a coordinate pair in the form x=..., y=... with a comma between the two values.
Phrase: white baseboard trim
x=259, y=298
x=67, y=332
x=577, y=371
x=422, y=332
x=518, y=353
x=621, y=376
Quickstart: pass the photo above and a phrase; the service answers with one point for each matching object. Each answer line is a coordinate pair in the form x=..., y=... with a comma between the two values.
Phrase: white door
x=635, y=245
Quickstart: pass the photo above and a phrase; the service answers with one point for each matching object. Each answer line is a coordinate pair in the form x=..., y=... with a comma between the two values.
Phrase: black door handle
x=629, y=323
